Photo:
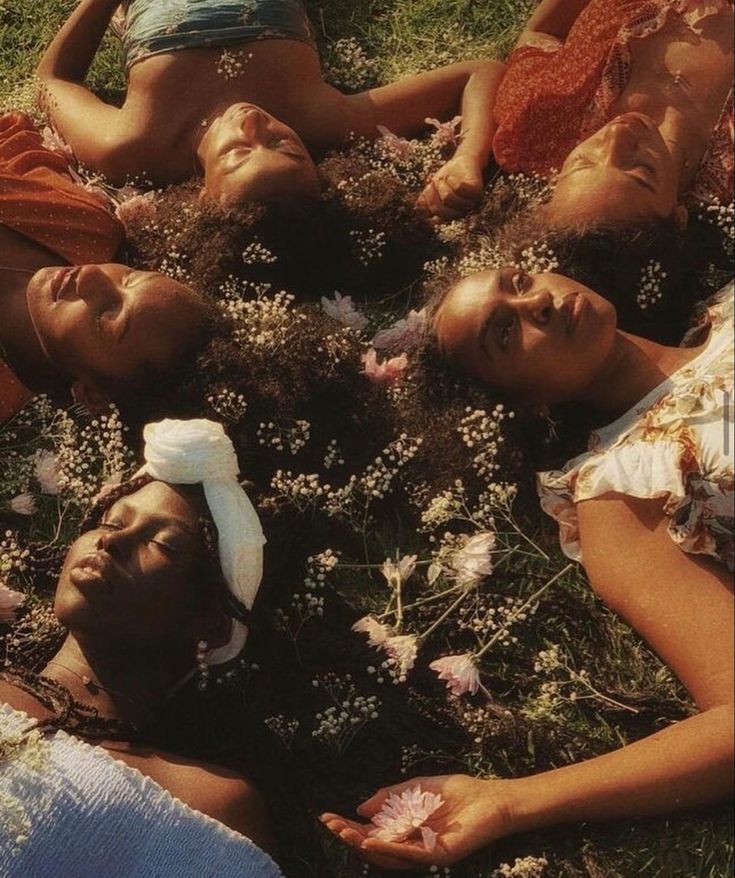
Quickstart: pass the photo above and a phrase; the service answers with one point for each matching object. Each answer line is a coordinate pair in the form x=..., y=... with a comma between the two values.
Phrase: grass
x=405, y=36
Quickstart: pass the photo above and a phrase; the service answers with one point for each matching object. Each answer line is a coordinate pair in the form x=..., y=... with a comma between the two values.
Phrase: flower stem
x=534, y=597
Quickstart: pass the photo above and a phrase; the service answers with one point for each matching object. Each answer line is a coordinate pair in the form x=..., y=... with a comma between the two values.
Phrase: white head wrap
x=199, y=451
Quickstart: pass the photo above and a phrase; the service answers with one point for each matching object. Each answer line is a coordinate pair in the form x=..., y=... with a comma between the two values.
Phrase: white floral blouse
x=675, y=444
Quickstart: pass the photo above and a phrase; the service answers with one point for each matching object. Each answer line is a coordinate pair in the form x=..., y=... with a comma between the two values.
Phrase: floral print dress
x=676, y=445
x=554, y=95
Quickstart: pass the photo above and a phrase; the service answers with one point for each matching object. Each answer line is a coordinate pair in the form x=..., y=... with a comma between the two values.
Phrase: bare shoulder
x=218, y=792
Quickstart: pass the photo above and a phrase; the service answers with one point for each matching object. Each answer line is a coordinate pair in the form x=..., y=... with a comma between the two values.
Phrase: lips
x=63, y=283
x=96, y=568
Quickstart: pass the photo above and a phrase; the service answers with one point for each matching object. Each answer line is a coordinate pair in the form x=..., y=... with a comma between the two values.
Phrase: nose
x=255, y=124
x=96, y=287
x=538, y=307
x=115, y=542
x=619, y=142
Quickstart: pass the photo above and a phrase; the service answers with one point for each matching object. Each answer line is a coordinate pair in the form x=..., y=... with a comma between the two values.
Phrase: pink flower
x=400, y=571
x=9, y=602
x=402, y=649
x=394, y=147
x=53, y=143
x=23, y=504
x=341, y=309
x=377, y=633
x=404, y=334
x=47, y=472
x=383, y=373
x=140, y=209
x=460, y=672
x=404, y=816
x=445, y=133
x=474, y=559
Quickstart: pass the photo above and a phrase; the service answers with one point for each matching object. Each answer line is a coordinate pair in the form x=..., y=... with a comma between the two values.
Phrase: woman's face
x=136, y=579
x=624, y=173
x=538, y=337
x=248, y=155
x=102, y=324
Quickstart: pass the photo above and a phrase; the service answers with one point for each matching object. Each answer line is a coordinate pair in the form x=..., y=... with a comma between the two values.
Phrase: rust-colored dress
x=555, y=95
x=40, y=200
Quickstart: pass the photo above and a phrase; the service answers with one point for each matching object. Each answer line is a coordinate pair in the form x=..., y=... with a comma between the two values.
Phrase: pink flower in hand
x=9, y=602
x=386, y=372
x=460, y=672
x=377, y=633
x=404, y=816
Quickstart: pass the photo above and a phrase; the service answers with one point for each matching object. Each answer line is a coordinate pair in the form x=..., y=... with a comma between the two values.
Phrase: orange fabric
x=552, y=98
x=39, y=198
x=13, y=395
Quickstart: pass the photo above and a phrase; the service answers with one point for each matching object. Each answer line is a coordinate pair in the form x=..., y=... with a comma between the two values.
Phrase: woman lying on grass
x=153, y=592
x=648, y=511
x=630, y=101
x=257, y=110
x=102, y=332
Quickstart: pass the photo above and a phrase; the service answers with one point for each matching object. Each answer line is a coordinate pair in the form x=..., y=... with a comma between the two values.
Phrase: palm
x=470, y=817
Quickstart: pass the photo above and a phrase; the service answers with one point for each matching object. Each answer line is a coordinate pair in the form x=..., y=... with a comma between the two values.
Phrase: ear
x=90, y=396
x=681, y=218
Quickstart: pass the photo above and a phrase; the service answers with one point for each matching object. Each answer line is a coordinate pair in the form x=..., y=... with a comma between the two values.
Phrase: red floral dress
x=40, y=200
x=555, y=95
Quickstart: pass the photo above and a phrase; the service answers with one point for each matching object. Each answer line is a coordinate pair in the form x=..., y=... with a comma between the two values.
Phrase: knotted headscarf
x=199, y=452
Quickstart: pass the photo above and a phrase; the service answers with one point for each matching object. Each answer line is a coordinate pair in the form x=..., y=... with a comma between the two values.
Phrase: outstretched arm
x=458, y=184
x=551, y=18
x=91, y=127
x=683, y=606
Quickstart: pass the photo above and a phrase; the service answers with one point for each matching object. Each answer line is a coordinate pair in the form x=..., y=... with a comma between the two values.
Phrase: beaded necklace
x=71, y=715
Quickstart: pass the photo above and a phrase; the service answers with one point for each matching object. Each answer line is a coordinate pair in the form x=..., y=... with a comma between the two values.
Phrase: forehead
x=181, y=504
x=596, y=193
x=462, y=314
x=162, y=319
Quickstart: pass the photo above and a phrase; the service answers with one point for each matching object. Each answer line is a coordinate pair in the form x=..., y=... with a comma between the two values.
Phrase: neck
x=117, y=685
x=19, y=342
x=635, y=367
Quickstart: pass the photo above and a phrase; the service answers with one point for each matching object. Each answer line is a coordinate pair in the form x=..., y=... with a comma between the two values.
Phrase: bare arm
x=404, y=106
x=94, y=130
x=552, y=18
x=683, y=606
x=455, y=188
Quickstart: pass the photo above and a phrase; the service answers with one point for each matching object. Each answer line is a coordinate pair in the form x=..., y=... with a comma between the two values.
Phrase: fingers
x=371, y=807
x=449, y=196
x=406, y=852
x=354, y=835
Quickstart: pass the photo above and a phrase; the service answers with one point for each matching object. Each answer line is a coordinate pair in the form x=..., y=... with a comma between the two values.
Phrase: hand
x=474, y=813
x=454, y=189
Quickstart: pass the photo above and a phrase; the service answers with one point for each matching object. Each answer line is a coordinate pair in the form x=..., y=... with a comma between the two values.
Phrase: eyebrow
x=156, y=518
x=489, y=317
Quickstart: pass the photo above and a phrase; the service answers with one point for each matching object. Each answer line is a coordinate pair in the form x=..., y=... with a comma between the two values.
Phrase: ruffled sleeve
x=39, y=198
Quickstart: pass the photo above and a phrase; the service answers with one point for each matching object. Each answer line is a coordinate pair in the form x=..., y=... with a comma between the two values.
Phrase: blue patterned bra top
x=156, y=26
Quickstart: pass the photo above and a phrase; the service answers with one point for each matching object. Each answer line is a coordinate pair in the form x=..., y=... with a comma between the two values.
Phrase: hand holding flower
x=473, y=813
